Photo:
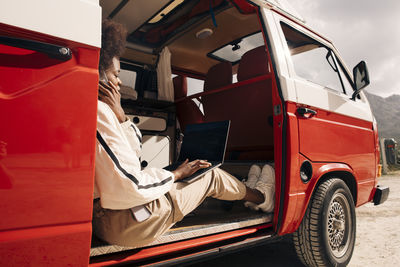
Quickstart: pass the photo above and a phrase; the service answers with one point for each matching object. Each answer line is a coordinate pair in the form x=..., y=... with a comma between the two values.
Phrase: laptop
x=203, y=141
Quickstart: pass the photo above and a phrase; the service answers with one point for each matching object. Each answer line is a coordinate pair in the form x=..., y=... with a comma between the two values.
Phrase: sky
x=361, y=30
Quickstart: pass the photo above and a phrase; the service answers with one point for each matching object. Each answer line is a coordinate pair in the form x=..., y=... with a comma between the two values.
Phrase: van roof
x=145, y=21
x=181, y=24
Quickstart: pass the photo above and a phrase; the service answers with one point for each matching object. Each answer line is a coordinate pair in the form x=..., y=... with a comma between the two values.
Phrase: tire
x=326, y=236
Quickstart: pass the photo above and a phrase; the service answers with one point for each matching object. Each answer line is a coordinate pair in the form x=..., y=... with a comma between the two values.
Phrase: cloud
x=361, y=30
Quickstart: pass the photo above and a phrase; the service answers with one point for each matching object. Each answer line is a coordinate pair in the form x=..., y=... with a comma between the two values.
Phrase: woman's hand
x=109, y=94
x=188, y=168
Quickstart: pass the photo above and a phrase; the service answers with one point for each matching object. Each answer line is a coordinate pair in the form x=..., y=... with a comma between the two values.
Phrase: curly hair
x=113, y=39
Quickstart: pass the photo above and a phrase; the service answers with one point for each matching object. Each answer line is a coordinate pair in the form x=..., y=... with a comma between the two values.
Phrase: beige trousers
x=120, y=228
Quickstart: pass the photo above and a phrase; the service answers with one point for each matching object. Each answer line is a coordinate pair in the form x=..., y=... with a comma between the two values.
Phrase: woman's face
x=112, y=73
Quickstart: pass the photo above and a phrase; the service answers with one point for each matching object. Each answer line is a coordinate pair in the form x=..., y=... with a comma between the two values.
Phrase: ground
x=377, y=240
x=378, y=243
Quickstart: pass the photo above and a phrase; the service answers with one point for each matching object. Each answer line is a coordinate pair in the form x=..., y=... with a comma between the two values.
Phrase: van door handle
x=54, y=51
x=303, y=111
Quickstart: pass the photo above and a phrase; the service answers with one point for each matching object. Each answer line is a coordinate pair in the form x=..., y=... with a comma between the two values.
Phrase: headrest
x=218, y=76
x=253, y=63
x=180, y=86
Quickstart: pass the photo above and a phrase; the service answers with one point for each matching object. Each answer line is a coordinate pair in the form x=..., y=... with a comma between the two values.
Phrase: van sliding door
x=48, y=99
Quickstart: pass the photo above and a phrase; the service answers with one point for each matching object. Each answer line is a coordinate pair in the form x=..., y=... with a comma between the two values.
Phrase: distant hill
x=387, y=114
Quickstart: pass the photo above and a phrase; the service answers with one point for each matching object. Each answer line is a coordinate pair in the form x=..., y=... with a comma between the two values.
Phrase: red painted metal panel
x=302, y=196
x=332, y=137
x=332, y=142
x=278, y=144
x=46, y=246
x=292, y=188
x=377, y=150
x=299, y=193
x=48, y=126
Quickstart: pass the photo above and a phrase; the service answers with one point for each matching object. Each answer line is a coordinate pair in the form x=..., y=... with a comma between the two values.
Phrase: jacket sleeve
x=119, y=178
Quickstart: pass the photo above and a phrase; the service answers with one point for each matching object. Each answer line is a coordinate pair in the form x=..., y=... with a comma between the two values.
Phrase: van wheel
x=326, y=236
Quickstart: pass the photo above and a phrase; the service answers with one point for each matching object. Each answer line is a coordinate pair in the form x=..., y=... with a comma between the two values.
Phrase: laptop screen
x=205, y=141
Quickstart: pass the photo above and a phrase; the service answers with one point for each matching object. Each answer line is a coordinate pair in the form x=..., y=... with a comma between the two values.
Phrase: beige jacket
x=120, y=181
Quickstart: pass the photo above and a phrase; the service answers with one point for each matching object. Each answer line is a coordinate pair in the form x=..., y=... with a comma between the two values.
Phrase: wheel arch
x=344, y=175
x=323, y=173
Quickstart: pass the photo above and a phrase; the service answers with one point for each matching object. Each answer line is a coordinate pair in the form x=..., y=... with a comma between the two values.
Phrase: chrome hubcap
x=339, y=225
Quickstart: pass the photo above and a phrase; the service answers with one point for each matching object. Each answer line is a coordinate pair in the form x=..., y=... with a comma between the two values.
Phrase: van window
x=195, y=86
x=128, y=79
x=315, y=62
x=234, y=51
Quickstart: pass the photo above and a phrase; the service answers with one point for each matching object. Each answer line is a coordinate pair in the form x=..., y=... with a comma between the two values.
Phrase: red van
x=291, y=100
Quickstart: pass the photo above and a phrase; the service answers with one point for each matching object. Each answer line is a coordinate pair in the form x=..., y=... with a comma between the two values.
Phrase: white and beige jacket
x=120, y=182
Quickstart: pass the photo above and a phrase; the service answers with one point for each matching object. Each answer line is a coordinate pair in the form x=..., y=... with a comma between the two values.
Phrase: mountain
x=387, y=114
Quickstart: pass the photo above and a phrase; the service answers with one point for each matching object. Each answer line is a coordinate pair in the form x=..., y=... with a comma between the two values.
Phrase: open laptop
x=203, y=141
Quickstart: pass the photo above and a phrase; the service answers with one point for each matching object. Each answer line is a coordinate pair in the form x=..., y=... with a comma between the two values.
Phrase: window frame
x=345, y=72
x=337, y=60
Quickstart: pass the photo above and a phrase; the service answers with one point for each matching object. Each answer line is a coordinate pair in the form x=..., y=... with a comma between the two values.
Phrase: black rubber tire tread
x=307, y=240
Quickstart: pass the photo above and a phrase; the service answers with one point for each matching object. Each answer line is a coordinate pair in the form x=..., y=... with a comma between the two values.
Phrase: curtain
x=164, y=76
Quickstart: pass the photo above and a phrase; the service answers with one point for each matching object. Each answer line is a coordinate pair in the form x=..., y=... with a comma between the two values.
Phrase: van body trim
x=284, y=122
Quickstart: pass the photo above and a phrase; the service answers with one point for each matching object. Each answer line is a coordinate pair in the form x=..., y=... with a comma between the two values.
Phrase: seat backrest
x=180, y=86
x=249, y=107
x=187, y=111
x=253, y=63
x=218, y=76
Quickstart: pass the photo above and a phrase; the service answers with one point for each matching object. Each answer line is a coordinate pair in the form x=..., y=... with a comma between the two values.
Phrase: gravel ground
x=378, y=243
x=377, y=240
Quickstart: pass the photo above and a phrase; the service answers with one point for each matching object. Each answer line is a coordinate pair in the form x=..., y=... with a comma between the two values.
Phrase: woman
x=132, y=206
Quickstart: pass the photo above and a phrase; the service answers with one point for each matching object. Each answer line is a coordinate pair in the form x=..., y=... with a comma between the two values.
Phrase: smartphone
x=104, y=78
x=140, y=213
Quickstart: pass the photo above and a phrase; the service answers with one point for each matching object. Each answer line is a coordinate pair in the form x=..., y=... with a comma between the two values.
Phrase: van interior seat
x=187, y=111
x=248, y=104
x=217, y=76
x=253, y=63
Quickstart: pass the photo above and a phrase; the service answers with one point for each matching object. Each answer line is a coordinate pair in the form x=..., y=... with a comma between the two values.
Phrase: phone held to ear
x=103, y=78
x=105, y=81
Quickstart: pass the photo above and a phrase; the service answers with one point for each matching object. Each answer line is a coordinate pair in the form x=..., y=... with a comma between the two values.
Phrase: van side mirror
x=361, y=78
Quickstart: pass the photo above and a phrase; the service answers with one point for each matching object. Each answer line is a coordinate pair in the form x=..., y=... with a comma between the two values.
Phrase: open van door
x=48, y=97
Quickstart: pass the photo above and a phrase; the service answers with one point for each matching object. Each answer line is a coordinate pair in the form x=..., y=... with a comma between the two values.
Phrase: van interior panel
x=243, y=87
